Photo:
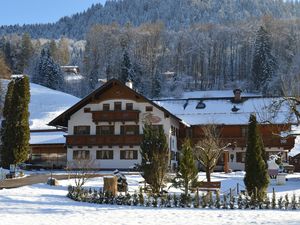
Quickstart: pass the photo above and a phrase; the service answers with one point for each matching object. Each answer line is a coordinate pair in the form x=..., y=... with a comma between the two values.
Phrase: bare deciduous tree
x=81, y=171
x=209, y=149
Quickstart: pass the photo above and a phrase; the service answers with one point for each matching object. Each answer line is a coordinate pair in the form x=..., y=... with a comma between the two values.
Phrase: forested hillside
x=175, y=14
x=164, y=47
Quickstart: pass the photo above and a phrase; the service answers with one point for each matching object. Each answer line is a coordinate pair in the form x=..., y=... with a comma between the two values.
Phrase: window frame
x=128, y=154
x=118, y=106
x=106, y=107
x=129, y=106
x=87, y=154
x=76, y=132
x=100, y=154
x=100, y=132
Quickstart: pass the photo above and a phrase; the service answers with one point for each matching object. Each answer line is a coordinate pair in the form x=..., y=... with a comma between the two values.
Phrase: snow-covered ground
x=42, y=204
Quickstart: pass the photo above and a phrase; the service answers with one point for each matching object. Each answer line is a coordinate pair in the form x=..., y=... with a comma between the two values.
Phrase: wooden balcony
x=99, y=140
x=268, y=142
x=115, y=116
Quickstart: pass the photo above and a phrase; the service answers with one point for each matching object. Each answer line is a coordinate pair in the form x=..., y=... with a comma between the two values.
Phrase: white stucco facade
x=82, y=118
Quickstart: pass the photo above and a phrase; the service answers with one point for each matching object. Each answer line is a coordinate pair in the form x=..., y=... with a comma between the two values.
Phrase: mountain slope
x=46, y=104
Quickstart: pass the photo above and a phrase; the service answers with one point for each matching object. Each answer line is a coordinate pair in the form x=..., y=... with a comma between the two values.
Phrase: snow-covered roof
x=215, y=94
x=225, y=111
x=47, y=137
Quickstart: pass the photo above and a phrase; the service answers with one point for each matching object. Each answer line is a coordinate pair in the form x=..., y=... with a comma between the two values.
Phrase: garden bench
x=208, y=186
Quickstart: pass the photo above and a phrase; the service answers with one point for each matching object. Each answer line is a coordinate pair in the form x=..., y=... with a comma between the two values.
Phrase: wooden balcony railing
x=268, y=142
x=114, y=116
x=100, y=140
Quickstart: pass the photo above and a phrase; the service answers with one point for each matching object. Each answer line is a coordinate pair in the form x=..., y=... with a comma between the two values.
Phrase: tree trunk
x=207, y=171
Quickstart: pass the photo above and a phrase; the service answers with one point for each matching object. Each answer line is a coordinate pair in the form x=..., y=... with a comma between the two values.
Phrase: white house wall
x=81, y=118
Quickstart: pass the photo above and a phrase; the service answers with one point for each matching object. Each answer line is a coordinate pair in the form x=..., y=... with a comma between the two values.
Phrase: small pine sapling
x=218, y=200
x=135, y=199
x=286, y=202
x=280, y=202
x=182, y=200
x=232, y=202
x=155, y=201
x=294, y=202
x=196, y=200
x=210, y=200
x=128, y=200
x=224, y=205
x=163, y=200
x=141, y=197
x=188, y=201
x=204, y=201
x=175, y=200
x=240, y=201
x=273, y=204
x=267, y=203
x=169, y=201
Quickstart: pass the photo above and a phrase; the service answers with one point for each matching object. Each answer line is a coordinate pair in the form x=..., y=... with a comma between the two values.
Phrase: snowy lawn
x=42, y=204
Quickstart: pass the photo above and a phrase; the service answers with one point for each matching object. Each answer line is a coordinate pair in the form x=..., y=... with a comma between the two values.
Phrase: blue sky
x=40, y=11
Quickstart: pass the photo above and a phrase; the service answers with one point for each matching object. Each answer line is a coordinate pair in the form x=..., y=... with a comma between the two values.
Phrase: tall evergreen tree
x=187, y=172
x=20, y=104
x=263, y=65
x=155, y=157
x=7, y=129
x=47, y=72
x=256, y=178
x=26, y=51
x=126, y=68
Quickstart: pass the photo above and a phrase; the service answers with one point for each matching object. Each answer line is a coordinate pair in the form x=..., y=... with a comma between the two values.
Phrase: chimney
x=237, y=95
x=129, y=84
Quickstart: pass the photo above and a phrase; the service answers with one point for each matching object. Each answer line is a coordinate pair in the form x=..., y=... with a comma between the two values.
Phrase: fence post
x=237, y=188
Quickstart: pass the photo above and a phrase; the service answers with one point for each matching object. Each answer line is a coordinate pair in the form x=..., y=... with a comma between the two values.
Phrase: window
x=118, y=106
x=105, y=130
x=149, y=108
x=81, y=154
x=173, y=130
x=240, y=157
x=82, y=130
x=129, y=154
x=105, y=107
x=130, y=130
x=129, y=106
x=201, y=105
x=173, y=155
x=105, y=154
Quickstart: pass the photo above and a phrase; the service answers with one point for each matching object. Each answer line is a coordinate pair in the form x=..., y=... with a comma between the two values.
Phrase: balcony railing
x=115, y=116
x=100, y=140
x=268, y=142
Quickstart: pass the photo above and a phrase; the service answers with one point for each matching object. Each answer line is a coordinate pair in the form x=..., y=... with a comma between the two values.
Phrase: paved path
x=35, y=179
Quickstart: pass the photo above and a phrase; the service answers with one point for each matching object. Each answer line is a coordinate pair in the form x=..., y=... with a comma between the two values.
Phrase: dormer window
x=235, y=109
x=201, y=105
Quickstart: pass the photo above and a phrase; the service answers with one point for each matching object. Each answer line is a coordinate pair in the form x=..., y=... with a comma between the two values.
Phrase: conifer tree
x=256, y=178
x=20, y=105
x=26, y=51
x=47, y=72
x=187, y=172
x=7, y=129
x=263, y=65
x=126, y=68
x=155, y=157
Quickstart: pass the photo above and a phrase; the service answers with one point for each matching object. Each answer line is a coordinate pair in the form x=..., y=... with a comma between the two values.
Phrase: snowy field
x=41, y=204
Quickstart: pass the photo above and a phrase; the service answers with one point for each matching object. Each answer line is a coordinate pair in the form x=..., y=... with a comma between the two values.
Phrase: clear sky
x=40, y=11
